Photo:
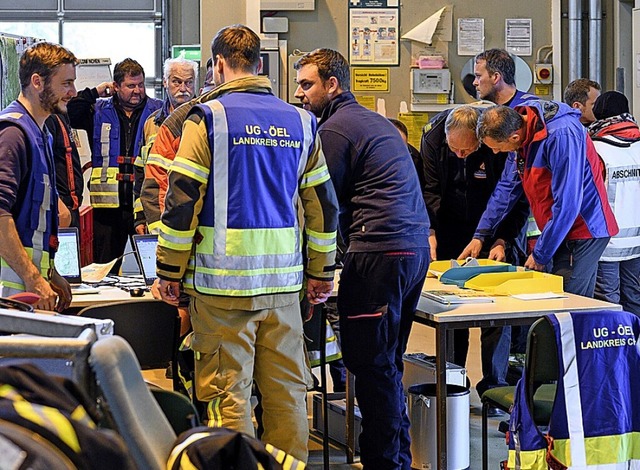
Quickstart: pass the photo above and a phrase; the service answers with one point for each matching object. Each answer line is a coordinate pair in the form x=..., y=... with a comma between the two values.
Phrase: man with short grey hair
x=495, y=81
x=179, y=80
x=460, y=175
x=556, y=166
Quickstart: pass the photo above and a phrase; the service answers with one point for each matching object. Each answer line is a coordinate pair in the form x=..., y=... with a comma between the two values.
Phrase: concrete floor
x=423, y=340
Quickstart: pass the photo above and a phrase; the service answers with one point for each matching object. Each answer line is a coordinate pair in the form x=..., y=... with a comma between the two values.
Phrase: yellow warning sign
x=370, y=80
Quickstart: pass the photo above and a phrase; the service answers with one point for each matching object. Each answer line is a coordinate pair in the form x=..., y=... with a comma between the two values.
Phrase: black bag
x=221, y=448
x=54, y=409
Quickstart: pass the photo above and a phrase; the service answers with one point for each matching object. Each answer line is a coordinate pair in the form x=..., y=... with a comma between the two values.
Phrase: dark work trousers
x=577, y=262
x=111, y=230
x=377, y=300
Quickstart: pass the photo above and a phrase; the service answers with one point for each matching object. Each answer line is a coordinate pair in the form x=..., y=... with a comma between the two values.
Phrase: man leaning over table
x=553, y=161
x=385, y=226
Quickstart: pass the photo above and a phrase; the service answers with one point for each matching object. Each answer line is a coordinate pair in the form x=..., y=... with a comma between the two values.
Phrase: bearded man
x=28, y=196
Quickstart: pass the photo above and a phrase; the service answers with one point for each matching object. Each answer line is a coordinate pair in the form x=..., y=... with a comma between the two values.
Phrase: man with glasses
x=113, y=114
x=460, y=176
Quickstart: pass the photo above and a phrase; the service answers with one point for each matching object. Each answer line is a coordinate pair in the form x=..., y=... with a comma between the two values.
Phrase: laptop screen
x=145, y=246
x=67, y=260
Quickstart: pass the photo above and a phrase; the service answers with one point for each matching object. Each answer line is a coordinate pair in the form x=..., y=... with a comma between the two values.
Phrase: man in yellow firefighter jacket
x=230, y=232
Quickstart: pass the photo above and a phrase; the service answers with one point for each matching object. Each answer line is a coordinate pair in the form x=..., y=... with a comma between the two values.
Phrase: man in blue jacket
x=495, y=78
x=384, y=223
x=556, y=165
x=113, y=114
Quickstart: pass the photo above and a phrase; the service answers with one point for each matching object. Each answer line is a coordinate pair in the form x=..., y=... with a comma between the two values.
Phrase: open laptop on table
x=67, y=261
x=145, y=248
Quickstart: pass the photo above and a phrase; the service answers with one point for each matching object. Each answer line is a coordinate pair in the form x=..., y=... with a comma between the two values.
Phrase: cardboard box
x=421, y=369
x=336, y=409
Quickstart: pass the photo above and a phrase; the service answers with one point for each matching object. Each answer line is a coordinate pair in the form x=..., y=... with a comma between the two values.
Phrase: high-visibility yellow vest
x=249, y=237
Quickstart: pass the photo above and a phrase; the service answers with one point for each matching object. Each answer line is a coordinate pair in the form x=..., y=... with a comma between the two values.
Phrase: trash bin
x=422, y=415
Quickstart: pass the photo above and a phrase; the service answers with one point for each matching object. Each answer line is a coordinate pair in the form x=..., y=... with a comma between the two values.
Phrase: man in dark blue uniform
x=113, y=114
x=385, y=226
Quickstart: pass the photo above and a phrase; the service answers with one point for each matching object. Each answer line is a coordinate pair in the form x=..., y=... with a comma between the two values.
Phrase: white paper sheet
x=539, y=296
x=424, y=31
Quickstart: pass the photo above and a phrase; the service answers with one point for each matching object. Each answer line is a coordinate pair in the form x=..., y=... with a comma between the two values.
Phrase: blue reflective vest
x=249, y=220
x=37, y=218
x=103, y=183
x=595, y=418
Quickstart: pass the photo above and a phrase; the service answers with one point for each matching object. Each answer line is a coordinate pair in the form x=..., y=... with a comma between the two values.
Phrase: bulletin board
x=92, y=72
x=11, y=48
x=374, y=32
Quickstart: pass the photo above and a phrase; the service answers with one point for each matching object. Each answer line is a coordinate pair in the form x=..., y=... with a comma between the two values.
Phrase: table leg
x=441, y=396
x=450, y=344
x=350, y=448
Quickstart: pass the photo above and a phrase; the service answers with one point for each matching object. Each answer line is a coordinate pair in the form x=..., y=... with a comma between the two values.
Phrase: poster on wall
x=470, y=36
x=517, y=36
x=373, y=32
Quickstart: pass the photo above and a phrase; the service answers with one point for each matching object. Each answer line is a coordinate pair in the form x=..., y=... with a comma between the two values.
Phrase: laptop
x=67, y=261
x=145, y=248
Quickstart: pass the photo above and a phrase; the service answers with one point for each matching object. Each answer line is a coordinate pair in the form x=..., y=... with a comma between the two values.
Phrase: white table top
x=504, y=306
x=107, y=294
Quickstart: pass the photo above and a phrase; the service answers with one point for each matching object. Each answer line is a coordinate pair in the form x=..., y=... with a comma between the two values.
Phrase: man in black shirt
x=460, y=175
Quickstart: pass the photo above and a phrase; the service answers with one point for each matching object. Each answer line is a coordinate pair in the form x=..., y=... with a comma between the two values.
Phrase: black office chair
x=150, y=326
x=181, y=413
x=541, y=373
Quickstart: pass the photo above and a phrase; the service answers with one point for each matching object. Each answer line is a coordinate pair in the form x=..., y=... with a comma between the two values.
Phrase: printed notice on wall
x=517, y=36
x=470, y=36
x=373, y=35
x=367, y=101
x=415, y=122
x=92, y=72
